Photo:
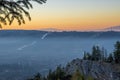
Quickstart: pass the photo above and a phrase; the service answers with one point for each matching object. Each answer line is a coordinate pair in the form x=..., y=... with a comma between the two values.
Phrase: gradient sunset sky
x=73, y=15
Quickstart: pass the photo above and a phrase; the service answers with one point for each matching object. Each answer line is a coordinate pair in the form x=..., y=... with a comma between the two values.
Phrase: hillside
x=98, y=70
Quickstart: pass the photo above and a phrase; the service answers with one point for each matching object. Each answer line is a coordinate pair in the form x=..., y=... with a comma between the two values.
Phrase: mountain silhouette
x=51, y=30
x=113, y=28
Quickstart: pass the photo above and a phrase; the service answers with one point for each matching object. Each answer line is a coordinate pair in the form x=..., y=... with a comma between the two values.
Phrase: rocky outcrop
x=98, y=70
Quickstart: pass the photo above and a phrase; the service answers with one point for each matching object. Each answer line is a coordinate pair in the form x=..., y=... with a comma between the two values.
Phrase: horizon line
x=61, y=30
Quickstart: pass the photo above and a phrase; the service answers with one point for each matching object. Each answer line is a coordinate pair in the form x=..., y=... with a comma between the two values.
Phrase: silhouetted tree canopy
x=15, y=9
x=117, y=52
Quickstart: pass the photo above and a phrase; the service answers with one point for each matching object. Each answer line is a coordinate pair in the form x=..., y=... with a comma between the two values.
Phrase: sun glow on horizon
x=72, y=15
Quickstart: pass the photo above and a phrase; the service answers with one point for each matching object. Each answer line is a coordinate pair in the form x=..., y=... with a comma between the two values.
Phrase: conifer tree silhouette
x=15, y=9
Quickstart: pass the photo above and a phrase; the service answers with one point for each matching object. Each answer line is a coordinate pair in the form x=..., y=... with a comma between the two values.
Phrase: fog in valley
x=22, y=57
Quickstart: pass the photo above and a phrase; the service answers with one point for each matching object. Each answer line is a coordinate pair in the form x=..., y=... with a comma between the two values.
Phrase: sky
x=79, y=15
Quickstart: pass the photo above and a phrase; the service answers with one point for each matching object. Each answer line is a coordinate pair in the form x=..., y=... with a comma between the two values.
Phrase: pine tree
x=85, y=56
x=15, y=9
x=96, y=53
x=117, y=52
x=110, y=58
x=38, y=77
x=60, y=73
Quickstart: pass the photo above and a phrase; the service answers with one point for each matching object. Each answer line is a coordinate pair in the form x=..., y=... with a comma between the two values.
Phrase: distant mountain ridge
x=114, y=28
x=64, y=34
x=51, y=30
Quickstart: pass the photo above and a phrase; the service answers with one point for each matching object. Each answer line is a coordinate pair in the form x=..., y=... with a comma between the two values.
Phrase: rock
x=97, y=69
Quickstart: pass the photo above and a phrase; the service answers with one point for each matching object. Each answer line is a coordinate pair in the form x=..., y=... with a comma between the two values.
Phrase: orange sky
x=73, y=15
